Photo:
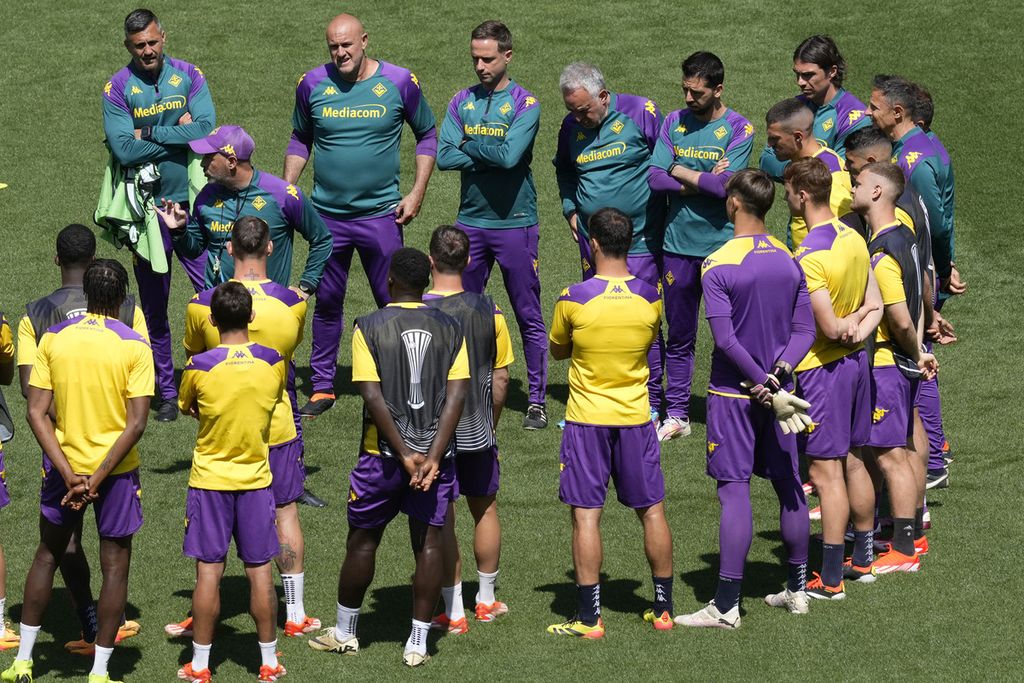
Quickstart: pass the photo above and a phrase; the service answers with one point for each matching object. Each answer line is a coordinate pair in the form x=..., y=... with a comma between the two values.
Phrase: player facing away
x=602, y=160
x=820, y=70
x=606, y=326
x=279, y=317
x=791, y=137
x=760, y=316
x=411, y=365
x=98, y=375
x=8, y=638
x=488, y=135
x=232, y=390
x=835, y=377
x=899, y=362
x=691, y=143
x=477, y=465
x=349, y=114
x=75, y=251
x=152, y=108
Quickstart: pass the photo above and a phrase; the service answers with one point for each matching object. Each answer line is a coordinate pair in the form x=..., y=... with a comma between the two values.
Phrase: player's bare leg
x=486, y=532
x=53, y=542
x=861, y=491
x=206, y=601
x=262, y=600
x=359, y=565
x=658, y=549
x=895, y=465
x=115, y=561
x=293, y=543
x=828, y=478
x=587, y=552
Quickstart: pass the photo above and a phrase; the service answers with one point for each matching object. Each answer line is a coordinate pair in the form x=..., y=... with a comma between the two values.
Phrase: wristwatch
x=307, y=289
x=146, y=132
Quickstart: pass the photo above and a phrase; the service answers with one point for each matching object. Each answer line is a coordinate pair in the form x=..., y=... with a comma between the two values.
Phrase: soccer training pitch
x=956, y=619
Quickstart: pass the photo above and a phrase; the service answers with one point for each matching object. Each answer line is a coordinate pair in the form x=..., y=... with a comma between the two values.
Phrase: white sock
x=100, y=660
x=200, y=656
x=3, y=608
x=294, y=587
x=268, y=653
x=348, y=619
x=486, y=592
x=453, y=606
x=418, y=637
x=28, y=641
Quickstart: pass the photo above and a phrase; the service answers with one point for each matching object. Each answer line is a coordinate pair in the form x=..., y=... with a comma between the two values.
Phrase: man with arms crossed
x=411, y=365
x=488, y=135
x=760, y=316
x=477, y=465
x=835, y=377
x=98, y=374
x=349, y=114
x=233, y=389
x=691, y=143
x=602, y=160
x=606, y=326
x=152, y=108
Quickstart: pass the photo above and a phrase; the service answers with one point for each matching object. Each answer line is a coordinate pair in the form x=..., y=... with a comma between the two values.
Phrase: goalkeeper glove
x=791, y=412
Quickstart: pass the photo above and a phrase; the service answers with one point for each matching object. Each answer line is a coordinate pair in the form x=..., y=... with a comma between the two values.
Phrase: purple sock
x=736, y=528
x=793, y=521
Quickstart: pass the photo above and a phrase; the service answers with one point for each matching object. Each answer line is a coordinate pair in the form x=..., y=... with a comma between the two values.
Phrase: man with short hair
x=477, y=463
x=235, y=190
x=760, y=316
x=488, y=135
x=899, y=360
x=692, y=141
x=834, y=377
x=279, y=319
x=233, y=390
x=602, y=160
x=349, y=114
x=791, y=137
x=152, y=109
x=410, y=363
x=606, y=325
x=98, y=375
x=76, y=249
x=820, y=70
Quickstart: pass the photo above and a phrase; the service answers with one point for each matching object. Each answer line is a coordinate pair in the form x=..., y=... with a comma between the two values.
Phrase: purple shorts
x=744, y=439
x=379, y=490
x=477, y=472
x=212, y=518
x=288, y=470
x=630, y=456
x=840, y=396
x=118, y=509
x=893, y=396
x=5, y=498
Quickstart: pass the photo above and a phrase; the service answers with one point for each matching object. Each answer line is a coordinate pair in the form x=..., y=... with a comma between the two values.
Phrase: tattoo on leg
x=286, y=559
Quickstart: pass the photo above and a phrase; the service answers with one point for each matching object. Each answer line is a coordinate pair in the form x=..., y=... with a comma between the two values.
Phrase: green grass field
x=955, y=620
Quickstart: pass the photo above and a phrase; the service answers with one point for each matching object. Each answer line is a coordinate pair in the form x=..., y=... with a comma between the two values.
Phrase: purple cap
x=226, y=140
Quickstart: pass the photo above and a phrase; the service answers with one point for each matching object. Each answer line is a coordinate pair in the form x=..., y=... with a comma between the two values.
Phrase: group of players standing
x=665, y=212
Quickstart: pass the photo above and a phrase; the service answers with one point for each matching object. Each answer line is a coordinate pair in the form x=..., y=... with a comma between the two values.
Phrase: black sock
x=589, y=603
x=662, y=594
x=728, y=594
x=903, y=535
x=797, y=580
x=919, y=523
x=863, y=547
x=832, y=563
x=87, y=618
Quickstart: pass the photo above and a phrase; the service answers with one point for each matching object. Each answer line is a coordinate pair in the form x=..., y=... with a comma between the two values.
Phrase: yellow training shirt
x=235, y=388
x=840, y=197
x=93, y=365
x=280, y=316
x=27, y=336
x=611, y=323
x=833, y=257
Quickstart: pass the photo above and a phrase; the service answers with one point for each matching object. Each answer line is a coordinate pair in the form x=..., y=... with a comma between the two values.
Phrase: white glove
x=791, y=412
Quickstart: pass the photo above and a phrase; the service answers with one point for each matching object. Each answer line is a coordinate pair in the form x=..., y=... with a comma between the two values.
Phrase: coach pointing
x=349, y=114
